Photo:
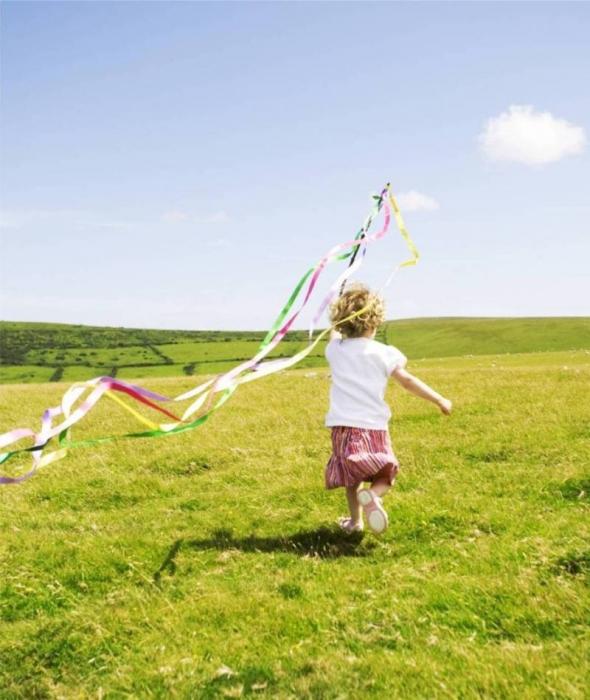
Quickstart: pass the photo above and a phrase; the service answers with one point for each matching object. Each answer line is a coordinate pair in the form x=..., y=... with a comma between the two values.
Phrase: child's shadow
x=324, y=543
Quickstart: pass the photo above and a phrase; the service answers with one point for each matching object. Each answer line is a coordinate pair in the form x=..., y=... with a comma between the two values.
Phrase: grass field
x=39, y=352
x=208, y=565
x=446, y=337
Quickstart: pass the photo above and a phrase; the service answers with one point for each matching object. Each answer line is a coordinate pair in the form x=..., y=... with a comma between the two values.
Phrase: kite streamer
x=81, y=397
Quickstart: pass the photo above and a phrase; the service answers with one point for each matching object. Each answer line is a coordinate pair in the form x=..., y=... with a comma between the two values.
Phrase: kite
x=53, y=441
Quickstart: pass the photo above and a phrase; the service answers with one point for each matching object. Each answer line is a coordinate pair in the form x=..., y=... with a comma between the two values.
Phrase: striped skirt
x=358, y=455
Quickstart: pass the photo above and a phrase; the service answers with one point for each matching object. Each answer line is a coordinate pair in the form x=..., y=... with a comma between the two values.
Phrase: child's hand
x=445, y=406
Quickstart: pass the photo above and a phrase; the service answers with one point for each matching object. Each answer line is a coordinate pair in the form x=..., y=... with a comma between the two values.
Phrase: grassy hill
x=450, y=337
x=208, y=565
x=39, y=352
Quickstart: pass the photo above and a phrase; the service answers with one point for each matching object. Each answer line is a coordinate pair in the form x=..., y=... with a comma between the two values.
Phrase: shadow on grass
x=323, y=542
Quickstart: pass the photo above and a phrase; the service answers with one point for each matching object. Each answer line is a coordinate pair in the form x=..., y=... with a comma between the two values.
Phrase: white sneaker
x=347, y=525
x=374, y=512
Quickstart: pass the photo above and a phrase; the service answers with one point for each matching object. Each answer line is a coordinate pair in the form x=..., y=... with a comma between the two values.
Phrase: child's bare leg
x=353, y=505
x=380, y=487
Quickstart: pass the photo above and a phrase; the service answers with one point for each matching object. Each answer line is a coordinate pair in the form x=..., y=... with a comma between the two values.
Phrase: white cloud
x=526, y=136
x=174, y=217
x=416, y=201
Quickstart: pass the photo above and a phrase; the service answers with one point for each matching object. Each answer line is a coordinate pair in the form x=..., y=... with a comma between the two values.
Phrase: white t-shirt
x=360, y=370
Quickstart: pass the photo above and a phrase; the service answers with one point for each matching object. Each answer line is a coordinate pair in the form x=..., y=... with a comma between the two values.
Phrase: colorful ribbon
x=204, y=404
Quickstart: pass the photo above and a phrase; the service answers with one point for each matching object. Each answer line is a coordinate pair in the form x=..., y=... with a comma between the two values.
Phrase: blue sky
x=180, y=165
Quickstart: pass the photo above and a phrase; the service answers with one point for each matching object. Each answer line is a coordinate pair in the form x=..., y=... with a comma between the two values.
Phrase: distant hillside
x=40, y=352
x=17, y=339
x=448, y=337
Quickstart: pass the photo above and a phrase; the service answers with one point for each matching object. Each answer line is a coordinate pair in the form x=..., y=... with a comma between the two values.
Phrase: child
x=358, y=415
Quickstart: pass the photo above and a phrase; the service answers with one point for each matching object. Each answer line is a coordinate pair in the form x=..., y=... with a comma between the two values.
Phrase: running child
x=358, y=415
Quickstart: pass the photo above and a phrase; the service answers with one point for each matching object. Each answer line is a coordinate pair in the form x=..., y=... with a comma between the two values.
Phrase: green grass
x=207, y=565
x=78, y=374
x=79, y=352
x=20, y=374
x=444, y=337
x=99, y=357
x=154, y=371
x=17, y=336
x=233, y=350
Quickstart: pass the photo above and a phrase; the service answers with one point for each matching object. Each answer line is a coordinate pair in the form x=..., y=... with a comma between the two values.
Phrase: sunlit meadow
x=209, y=565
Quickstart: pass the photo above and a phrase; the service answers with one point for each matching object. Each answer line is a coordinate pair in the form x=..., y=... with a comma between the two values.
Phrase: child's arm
x=419, y=388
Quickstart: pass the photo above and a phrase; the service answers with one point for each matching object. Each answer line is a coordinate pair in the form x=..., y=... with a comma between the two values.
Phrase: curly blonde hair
x=354, y=299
